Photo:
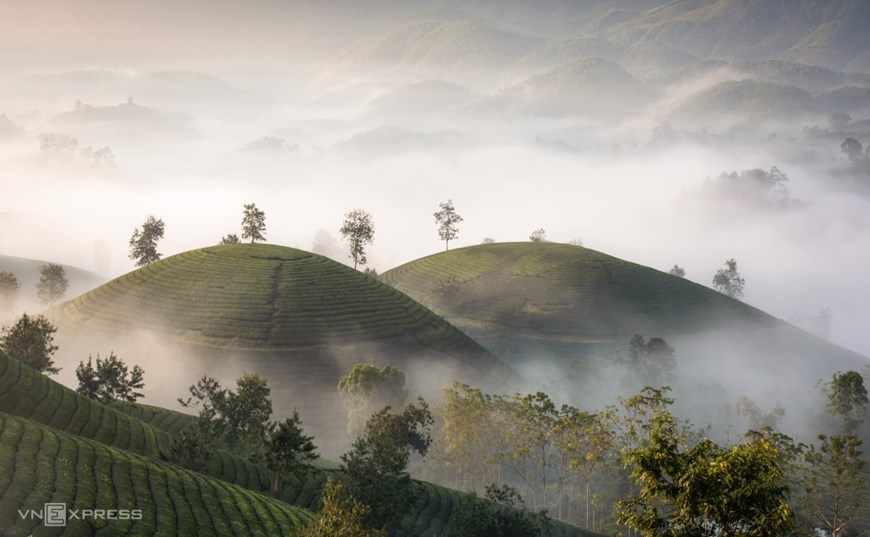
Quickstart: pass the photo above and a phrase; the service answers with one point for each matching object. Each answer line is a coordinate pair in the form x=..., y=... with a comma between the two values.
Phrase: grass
x=56, y=445
x=40, y=464
x=546, y=299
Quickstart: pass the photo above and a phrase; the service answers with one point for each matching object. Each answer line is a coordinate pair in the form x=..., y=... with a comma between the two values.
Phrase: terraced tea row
x=269, y=298
x=25, y=392
x=40, y=465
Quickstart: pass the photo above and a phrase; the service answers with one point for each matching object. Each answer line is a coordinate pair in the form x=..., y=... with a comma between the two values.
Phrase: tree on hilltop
x=538, y=235
x=677, y=271
x=728, y=280
x=253, y=223
x=359, y=229
x=447, y=218
x=52, y=284
x=232, y=238
x=143, y=245
x=30, y=340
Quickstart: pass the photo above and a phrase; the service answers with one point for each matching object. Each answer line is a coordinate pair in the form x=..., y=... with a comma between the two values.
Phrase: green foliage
x=30, y=340
x=652, y=362
x=538, y=235
x=235, y=419
x=728, y=280
x=834, y=487
x=39, y=464
x=447, y=219
x=694, y=490
x=339, y=516
x=191, y=450
x=143, y=245
x=232, y=238
x=847, y=399
x=52, y=284
x=677, y=271
x=286, y=450
x=111, y=381
x=375, y=468
x=9, y=288
x=368, y=388
x=359, y=229
x=253, y=223
x=501, y=514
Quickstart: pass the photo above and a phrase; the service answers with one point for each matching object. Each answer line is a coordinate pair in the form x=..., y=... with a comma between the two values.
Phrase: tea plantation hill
x=299, y=319
x=559, y=302
x=59, y=446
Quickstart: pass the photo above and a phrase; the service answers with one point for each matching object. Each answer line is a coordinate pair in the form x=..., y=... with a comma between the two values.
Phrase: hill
x=584, y=87
x=90, y=438
x=128, y=119
x=26, y=271
x=549, y=304
x=300, y=319
x=428, y=97
x=745, y=99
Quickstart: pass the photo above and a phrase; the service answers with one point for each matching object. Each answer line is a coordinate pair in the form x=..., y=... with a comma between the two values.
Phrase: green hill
x=554, y=303
x=744, y=99
x=26, y=271
x=120, y=449
x=297, y=318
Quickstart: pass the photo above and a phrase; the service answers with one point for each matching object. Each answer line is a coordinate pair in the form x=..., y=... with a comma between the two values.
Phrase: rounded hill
x=299, y=319
x=558, y=302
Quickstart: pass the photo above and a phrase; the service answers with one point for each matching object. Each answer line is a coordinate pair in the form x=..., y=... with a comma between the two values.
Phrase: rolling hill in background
x=299, y=319
x=26, y=271
x=548, y=304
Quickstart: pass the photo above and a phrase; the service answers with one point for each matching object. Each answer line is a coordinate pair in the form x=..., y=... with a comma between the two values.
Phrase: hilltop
x=27, y=273
x=554, y=303
x=300, y=319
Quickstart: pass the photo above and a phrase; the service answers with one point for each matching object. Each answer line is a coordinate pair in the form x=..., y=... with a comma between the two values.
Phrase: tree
x=650, y=363
x=359, y=229
x=376, y=466
x=253, y=223
x=677, y=271
x=110, y=381
x=847, y=399
x=58, y=144
x=143, y=245
x=759, y=419
x=447, y=218
x=286, y=450
x=538, y=235
x=704, y=489
x=368, y=388
x=235, y=419
x=853, y=149
x=52, y=284
x=30, y=340
x=232, y=238
x=834, y=484
x=728, y=281
x=9, y=288
x=340, y=516
x=501, y=513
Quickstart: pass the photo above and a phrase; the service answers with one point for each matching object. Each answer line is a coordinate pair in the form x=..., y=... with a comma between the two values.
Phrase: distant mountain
x=390, y=140
x=8, y=128
x=829, y=34
x=422, y=98
x=126, y=119
x=584, y=87
x=744, y=99
x=195, y=93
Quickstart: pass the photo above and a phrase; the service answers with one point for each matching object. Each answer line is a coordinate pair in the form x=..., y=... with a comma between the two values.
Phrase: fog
x=182, y=152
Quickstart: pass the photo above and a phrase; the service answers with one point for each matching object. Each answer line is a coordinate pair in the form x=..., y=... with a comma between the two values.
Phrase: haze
x=396, y=109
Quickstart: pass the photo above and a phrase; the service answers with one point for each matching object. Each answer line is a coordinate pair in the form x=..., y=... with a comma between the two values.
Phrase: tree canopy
x=30, y=339
x=143, y=244
x=447, y=219
x=728, y=280
x=52, y=284
x=253, y=223
x=359, y=229
x=111, y=380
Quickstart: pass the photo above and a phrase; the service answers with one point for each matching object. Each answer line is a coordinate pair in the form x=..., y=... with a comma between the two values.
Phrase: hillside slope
x=299, y=319
x=552, y=303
